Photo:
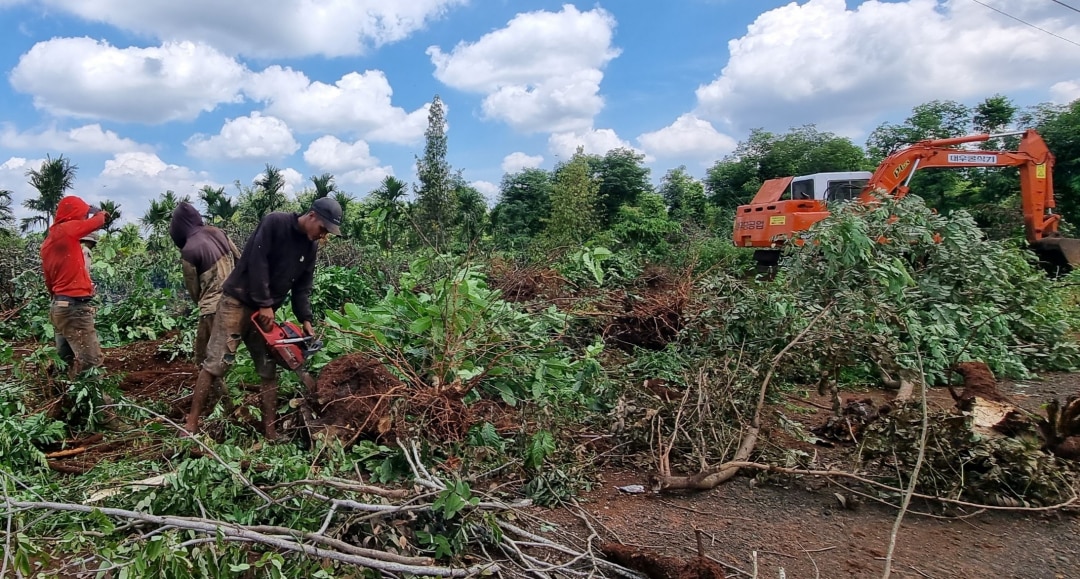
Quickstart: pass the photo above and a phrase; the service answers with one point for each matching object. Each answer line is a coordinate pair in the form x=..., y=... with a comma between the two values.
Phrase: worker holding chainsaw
x=278, y=260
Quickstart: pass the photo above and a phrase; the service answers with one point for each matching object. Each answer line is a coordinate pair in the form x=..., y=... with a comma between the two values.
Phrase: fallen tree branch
x=345, y=485
x=844, y=474
x=67, y=453
x=914, y=471
x=708, y=479
x=239, y=532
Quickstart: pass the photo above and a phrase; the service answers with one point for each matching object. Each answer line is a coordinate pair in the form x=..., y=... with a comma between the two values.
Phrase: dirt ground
x=797, y=525
x=800, y=526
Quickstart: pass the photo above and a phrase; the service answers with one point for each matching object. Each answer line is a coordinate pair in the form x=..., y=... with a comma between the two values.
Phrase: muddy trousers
x=232, y=325
x=76, y=338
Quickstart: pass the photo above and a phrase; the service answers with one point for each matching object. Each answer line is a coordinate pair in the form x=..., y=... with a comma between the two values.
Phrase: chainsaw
x=290, y=347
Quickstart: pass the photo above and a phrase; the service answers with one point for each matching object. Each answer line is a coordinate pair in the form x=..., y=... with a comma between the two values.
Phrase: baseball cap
x=329, y=212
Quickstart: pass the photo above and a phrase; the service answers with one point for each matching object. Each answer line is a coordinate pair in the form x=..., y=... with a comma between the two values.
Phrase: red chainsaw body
x=286, y=341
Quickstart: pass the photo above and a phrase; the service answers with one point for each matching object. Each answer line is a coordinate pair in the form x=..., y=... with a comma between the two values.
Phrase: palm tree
x=388, y=198
x=324, y=185
x=7, y=216
x=157, y=216
x=113, y=209
x=390, y=191
x=219, y=207
x=269, y=196
x=52, y=182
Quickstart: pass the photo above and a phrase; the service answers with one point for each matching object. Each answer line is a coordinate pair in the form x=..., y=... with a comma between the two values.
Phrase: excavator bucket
x=1059, y=255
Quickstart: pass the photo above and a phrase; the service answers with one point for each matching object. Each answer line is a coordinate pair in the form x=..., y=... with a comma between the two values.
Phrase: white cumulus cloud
x=594, y=142
x=357, y=103
x=541, y=72
x=329, y=153
x=844, y=67
x=1065, y=92
x=267, y=28
x=518, y=161
x=688, y=138
x=351, y=163
x=84, y=139
x=255, y=137
x=82, y=77
x=132, y=179
x=13, y=178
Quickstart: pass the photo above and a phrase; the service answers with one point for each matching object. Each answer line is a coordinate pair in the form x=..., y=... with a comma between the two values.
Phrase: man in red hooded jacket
x=69, y=284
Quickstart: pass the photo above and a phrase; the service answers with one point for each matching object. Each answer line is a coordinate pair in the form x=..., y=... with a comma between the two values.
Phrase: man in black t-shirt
x=278, y=259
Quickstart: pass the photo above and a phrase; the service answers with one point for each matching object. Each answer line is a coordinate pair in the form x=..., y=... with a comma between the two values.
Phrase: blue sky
x=149, y=95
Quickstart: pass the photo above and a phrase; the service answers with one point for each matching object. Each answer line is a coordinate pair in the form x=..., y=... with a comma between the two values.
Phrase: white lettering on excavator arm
x=976, y=159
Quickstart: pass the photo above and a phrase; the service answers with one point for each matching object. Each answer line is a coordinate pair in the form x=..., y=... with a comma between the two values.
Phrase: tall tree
x=113, y=209
x=434, y=197
x=942, y=189
x=324, y=185
x=269, y=193
x=219, y=208
x=524, y=204
x=733, y=180
x=388, y=210
x=52, y=180
x=932, y=120
x=574, y=200
x=622, y=176
x=470, y=211
x=683, y=194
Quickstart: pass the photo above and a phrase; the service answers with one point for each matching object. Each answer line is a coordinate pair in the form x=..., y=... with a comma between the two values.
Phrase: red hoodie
x=61, y=254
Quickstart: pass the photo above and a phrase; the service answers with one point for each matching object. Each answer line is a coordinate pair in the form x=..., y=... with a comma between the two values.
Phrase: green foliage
x=733, y=180
x=336, y=286
x=574, y=198
x=460, y=334
x=22, y=435
x=898, y=291
x=684, y=195
x=524, y=205
x=541, y=445
x=52, y=180
x=645, y=226
x=622, y=178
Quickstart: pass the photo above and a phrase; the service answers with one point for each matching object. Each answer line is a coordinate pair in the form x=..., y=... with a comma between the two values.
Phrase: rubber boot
x=269, y=407
x=198, y=400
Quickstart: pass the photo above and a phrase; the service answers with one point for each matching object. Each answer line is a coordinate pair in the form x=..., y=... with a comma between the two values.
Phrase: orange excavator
x=784, y=207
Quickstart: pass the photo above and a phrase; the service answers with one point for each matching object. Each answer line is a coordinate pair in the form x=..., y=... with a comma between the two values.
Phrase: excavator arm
x=1032, y=157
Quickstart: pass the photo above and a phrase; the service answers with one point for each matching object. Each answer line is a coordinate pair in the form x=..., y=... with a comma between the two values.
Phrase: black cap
x=329, y=212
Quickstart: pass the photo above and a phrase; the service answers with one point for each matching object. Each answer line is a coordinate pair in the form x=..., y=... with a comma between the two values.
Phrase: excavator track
x=1058, y=255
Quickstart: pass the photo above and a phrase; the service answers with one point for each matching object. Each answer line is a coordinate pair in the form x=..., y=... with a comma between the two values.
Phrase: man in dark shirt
x=277, y=259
